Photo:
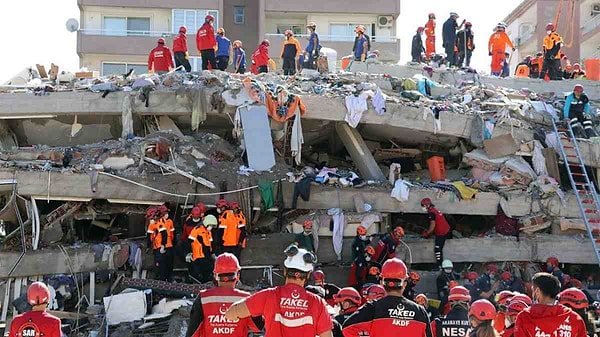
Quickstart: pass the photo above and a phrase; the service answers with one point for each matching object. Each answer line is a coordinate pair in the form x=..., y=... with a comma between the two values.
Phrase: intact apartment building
x=116, y=35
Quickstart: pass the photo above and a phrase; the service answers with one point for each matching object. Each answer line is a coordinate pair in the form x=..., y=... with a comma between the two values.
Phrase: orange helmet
x=375, y=292
x=222, y=203
x=523, y=298
x=360, y=230
x=452, y=284
x=459, y=294
x=515, y=307
x=347, y=294
x=414, y=276
x=483, y=310
x=421, y=299
x=370, y=250
x=504, y=297
x=196, y=213
x=573, y=298
x=471, y=276
x=38, y=293
x=394, y=269
x=227, y=267
x=398, y=232
x=374, y=271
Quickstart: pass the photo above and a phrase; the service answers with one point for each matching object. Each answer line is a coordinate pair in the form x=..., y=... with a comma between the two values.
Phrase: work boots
x=578, y=130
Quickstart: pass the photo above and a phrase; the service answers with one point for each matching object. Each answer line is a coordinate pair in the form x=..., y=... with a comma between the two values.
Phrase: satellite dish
x=72, y=25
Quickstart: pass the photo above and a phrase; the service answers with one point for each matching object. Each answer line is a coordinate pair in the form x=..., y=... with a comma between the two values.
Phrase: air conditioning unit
x=595, y=9
x=385, y=21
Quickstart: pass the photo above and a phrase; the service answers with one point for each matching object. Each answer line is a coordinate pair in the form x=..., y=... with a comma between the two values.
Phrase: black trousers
x=180, y=60
x=263, y=69
x=438, y=248
x=450, y=55
x=201, y=269
x=222, y=62
x=208, y=56
x=235, y=250
x=161, y=262
x=582, y=125
x=241, y=70
x=551, y=67
x=465, y=58
x=289, y=65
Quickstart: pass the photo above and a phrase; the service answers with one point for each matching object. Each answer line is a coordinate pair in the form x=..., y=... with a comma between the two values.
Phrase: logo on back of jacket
x=220, y=324
x=454, y=328
x=401, y=316
x=29, y=329
x=295, y=303
x=564, y=330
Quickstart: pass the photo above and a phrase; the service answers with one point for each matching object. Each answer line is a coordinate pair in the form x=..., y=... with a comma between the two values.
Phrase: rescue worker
x=502, y=299
x=221, y=206
x=360, y=258
x=373, y=273
x=349, y=300
x=417, y=50
x=160, y=60
x=577, y=112
x=288, y=310
x=207, y=314
x=439, y=226
x=330, y=288
x=413, y=279
x=497, y=48
x=443, y=280
x=360, y=243
x=552, y=262
x=392, y=315
x=260, y=57
x=567, y=69
x=465, y=42
x=375, y=292
x=536, y=65
x=206, y=43
x=157, y=238
x=471, y=278
x=432, y=313
x=481, y=314
x=484, y=282
x=578, y=302
x=36, y=322
x=306, y=239
x=509, y=282
x=546, y=317
x=232, y=228
x=200, y=254
x=386, y=247
x=313, y=48
x=356, y=38
x=196, y=215
x=430, y=36
x=289, y=51
x=577, y=72
x=239, y=57
x=456, y=322
x=523, y=68
x=551, y=47
x=180, y=50
x=224, y=51
x=361, y=49
x=170, y=227
x=505, y=66
x=512, y=310
x=449, y=37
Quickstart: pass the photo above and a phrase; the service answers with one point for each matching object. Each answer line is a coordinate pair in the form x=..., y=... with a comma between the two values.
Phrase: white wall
x=160, y=19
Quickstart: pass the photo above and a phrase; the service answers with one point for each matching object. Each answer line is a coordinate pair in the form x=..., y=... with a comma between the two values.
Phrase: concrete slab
x=359, y=151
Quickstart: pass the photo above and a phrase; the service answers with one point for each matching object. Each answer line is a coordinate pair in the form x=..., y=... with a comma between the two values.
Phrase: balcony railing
x=590, y=25
x=112, y=32
x=337, y=38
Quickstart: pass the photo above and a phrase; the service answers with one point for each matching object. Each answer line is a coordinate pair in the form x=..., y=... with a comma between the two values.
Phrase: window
x=123, y=26
x=296, y=29
x=196, y=63
x=138, y=26
x=113, y=68
x=345, y=31
x=238, y=15
x=192, y=19
x=115, y=26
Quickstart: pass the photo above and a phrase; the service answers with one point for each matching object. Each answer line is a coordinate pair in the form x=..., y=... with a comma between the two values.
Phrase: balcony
x=385, y=7
x=589, y=27
x=91, y=41
x=206, y=4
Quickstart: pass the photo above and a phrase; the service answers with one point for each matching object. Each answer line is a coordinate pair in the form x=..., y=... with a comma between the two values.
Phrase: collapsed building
x=81, y=159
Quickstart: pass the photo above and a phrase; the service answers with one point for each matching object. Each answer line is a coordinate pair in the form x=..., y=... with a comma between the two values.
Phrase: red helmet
x=319, y=275
x=360, y=230
x=182, y=29
x=426, y=202
x=414, y=276
x=576, y=283
x=222, y=203
x=431, y=15
x=266, y=42
x=492, y=267
x=421, y=299
x=505, y=276
x=209, y=18
x=307, y=224
x=550, y=26
x=504, y=297
x=38, y=293
x=347, y=294
x=374, y=271
x=288, y=32
x=523, y=298
x=471, y=276
x=468, y=24
x=226, y=263
x=459, y=294
x=483, y=310
x=553, y=261
x=398, y=232
x=573, y=298
x=234, y=205
x=375, y=292
x=364, y=290
x=196, y=213
x=370, y=250
x=515, y=307
x=162, y=210
x=420, y=29
x=394, y=269
x=161, y=41
x=151, y=213
x=577, y=88
x=201, y=207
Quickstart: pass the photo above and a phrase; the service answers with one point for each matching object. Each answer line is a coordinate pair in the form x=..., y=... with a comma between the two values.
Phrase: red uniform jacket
x=205, y=37
x=160, y=59
x=35, y=324
x=389, y=316
x=441, y=224
x=542, y=320
x=509, y=331
x=261, y=56
x=180, y=43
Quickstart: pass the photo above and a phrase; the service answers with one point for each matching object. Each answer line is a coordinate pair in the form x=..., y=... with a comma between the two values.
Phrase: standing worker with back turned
x=206, y=42
x=417, y=50
x=37, y=322
x=497, y=48
x=180, y=50
x=465, y=42
x=438, y=225
x=160, y=60
x=224, y=50
x=449, y=37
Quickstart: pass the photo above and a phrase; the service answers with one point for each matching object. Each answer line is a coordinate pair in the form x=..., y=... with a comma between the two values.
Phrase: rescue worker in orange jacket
x=200, y=255
x=160, y=59
x=497, y=48
x=536, y=65
x=157, y=236
x=523, y=68
x=430, y=36
x=232, y=229
x=37, y=322
x=207, y=316
x=551, y=47
x=170, y=226
x=289, y=51
x=180, y=50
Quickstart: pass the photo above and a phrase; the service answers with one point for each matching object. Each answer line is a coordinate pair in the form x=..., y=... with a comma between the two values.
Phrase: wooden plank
x=42, y=70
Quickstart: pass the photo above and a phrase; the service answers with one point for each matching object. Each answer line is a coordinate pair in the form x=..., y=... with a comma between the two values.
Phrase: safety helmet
x=528, y=58
x=426, y=202
x=307, y=224
x=360, y=29
x=504, y=297
x=370, y=250
x=501, y=25
x=265, y=42
x=375, y=292
x=446, y=263
x=453, y=284
x=394, y=268
x=38, y=293
x=414, y=276
x=431, y=15
x=210, y=220
x=578, y=88
x=550, y=26
x=196, y=213
x=226, y=263
x=162, y=210
x=222, y=203
x=566, y=279
x=201, y=207
x=161, y=41
x=374, y=271
x=319, y=275
x=471, y=276
x=288, y=32
x=459, y=294
x=576, y=283
x=365, y=289
x=573, y=298
x=505, y=276
x=182, y=29
x=483, y=310
x=515, y=307
x=492, y=268
x=237, y=43
x=209, y=18
x=468, y=24
x=420, y=29
x=398, y=232
x=360, y=230
x=347, y=294
x=577, y=65
x=454, y=14
x=151, y=213
x=523, y=298
x=553, y=261
x=234, y=205
x=421, y=299
x=539, y=53
x=299, y=259
x=221, y=31
x=311, y=25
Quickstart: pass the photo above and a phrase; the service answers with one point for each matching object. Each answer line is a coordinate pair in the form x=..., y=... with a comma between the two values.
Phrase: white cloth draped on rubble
x=395, y=172
x=339, y=222
x=538, y=159
x=356, y=107
x=297, y=139
x=401, y=190
x=379, y=102
x=437, y=122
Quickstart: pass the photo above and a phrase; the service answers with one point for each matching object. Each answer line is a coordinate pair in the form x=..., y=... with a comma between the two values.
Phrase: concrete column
x=359, y=152
x=261, y=20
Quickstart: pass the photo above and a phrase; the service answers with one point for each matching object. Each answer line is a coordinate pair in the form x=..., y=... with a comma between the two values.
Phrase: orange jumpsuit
x=497, y=47
x=430, y=38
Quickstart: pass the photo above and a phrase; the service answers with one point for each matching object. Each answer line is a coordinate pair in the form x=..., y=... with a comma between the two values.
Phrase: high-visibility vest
x=201, y=237
x=522, y=71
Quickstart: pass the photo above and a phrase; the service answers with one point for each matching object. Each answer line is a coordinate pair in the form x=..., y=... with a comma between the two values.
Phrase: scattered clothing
x=356, y=106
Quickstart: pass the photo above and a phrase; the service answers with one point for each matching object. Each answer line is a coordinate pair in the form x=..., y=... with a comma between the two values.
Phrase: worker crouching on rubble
x=439, y=226
x=207, y=317
x=200, y=256
x=289, y=310
x=232, y=228
x=577, y=113
x=37, y=322
x=157, y=238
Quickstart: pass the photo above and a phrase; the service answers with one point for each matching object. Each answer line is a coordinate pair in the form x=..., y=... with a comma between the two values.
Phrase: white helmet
x=210, y=220
x=447, y=264
x=299, y=258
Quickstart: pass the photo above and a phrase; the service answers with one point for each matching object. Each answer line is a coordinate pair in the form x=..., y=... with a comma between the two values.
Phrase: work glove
x=187, y=55
x=213, y=256
x=514, y=49
x=490, y=53
x=163, y=249
x=425, y=234
x=188, y=258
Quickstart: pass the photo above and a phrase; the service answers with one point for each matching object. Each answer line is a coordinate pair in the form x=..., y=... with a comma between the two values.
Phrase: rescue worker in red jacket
x=160, y=59
x=393, y=315
x=386, y=247
x=577, y=300
x=358, y=270
x=37, y=322
x=413, y=280
x=349, y=300
x=260, y=57
x=546, y=317
x=288, y=310
x=330, y=288
x=163, y=212
x=481, y=316
x=439, y=226
x=157, y=237
x=456, y=322
x=199, y=250
x=232, y=229
x=512, y=310
x=206, y=42
x=207, y=318
x=180, y=50
x=502, y=300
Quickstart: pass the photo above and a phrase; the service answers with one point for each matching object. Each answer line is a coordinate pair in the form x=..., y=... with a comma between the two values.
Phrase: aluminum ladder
x=585, y=192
